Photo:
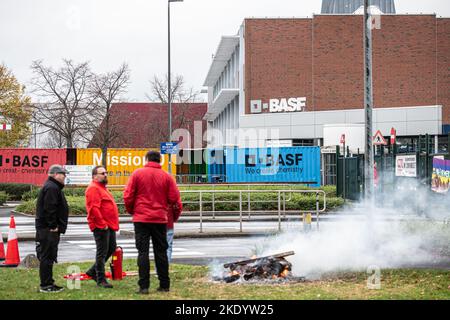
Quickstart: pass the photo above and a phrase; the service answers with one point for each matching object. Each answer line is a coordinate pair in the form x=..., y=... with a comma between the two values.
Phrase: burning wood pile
x=274, y=267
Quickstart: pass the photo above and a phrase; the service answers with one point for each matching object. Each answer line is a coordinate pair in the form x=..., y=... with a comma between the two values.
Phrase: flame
x=234, y=273
x=285, y=273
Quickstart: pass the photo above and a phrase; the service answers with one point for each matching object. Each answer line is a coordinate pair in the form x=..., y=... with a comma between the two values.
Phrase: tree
x=67, y=104
x=14, y=110
x=179, y=94
x=105, y=127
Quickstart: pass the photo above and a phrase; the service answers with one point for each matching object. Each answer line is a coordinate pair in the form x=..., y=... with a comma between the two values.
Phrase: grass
x=192, y=282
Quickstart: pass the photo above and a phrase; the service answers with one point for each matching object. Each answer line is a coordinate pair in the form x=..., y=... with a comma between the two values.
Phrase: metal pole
x=248, y=203
x=169, y=86
x=317, y=209
x=240, y=211
x=279, y=211
x=201, y=212
x=368, y=103
x=344, y=175
x=214, y=201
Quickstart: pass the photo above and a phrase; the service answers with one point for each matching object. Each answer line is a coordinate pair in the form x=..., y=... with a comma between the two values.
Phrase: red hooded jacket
x=149, y=194
x=101, y=207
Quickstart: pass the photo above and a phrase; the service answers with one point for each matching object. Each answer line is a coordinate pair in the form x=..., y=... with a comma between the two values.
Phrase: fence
x=281, y=200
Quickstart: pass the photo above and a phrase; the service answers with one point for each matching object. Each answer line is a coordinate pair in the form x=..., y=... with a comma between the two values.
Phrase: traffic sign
x=378, y=139
x=5, y=126
x=169, y=147
x=393, y=136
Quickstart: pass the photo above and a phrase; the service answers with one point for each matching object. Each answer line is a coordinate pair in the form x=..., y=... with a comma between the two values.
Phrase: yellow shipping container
x=120, y=162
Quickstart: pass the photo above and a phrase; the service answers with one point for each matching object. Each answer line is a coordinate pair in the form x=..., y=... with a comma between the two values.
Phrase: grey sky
x=109, y=32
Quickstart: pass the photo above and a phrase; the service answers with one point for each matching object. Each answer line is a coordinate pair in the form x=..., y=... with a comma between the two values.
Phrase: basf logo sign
x=278, y=105
x=287, y=164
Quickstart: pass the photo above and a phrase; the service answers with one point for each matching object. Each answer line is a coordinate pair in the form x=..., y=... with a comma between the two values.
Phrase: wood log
x=244, y=262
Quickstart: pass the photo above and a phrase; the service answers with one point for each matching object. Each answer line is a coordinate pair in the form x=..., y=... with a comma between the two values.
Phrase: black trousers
x=47, y=253
x=157, y=233
x=105, y=241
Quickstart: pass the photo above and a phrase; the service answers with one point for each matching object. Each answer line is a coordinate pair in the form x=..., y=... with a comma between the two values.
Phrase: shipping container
x=191, y=166
x=121, y=163
x=216, y=165
x=278, y=165
x=29, y=165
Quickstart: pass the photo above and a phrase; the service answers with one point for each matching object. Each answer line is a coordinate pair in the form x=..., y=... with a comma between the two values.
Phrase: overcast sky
x=109, y=32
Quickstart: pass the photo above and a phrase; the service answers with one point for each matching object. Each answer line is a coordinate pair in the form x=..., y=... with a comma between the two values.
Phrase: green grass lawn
x=193, y=282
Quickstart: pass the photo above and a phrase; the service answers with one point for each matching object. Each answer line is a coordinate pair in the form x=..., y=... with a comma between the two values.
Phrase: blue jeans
x=170, y=233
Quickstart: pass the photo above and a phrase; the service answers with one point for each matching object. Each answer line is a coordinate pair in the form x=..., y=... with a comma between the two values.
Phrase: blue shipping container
x=216, y=165
x=285, y=164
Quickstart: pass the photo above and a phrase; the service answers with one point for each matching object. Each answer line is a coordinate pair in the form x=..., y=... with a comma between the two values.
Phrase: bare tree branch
x=66, y=102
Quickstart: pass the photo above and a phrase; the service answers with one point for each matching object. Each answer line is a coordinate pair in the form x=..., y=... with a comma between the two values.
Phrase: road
x=78, y=244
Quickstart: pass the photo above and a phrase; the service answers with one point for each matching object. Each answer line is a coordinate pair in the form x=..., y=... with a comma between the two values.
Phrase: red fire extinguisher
x=116, y=264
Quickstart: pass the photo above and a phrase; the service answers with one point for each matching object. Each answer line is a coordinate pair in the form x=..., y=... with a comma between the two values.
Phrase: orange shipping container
x=120, y=162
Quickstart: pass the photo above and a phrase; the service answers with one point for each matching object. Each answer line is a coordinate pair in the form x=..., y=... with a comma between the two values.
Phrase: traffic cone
x=12, y=251
x=2, y=248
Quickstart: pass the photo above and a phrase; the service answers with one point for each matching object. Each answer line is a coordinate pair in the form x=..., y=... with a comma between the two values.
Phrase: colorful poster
x=441, y=175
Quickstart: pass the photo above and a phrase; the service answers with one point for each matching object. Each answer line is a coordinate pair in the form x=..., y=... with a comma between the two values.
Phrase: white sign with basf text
x=279, y=105
x=406, y=166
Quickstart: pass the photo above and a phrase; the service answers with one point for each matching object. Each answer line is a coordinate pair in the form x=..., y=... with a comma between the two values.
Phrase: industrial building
x=299, y=77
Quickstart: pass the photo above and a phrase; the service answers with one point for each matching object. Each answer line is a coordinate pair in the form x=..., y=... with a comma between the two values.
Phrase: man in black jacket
x=52, y=214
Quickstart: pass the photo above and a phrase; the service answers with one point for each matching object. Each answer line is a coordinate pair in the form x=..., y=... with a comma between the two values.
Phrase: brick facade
x=322, y=59
x=443, y=67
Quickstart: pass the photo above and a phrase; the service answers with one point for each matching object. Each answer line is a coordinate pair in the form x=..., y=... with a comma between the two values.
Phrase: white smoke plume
x=406, y=228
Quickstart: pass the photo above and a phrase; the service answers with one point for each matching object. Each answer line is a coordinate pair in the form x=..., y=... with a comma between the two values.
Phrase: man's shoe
x=163, y=289
x=93, y=277
x=105, y=284
x=142, y=291
x=51, y=289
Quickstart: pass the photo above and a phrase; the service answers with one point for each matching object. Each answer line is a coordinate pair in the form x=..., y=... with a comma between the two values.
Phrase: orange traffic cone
x=2, y=248
x=12, y=251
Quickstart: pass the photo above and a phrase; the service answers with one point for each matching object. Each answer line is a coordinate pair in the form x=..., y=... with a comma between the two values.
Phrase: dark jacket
x=52, y=210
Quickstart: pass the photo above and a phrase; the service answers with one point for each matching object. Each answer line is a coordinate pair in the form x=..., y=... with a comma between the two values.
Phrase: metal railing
x=283, y=196
x=281, y=201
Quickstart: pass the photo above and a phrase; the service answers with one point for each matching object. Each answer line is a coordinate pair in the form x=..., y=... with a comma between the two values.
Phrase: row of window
x=229, y=77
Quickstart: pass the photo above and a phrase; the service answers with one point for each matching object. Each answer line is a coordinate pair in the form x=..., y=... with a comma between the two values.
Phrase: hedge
x=15, y=190
x=3, y=197
x=298, y=202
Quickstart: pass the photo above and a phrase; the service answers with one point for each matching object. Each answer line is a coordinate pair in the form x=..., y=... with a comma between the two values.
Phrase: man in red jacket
x=148, y=195
x=103, y=219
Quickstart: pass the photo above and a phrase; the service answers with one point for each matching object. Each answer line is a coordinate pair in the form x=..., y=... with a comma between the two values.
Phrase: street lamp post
x=169, y=84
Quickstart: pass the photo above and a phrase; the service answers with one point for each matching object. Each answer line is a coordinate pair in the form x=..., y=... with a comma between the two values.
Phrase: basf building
x=304, y=78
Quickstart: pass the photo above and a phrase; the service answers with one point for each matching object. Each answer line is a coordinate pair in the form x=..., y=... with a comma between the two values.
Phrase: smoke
x=406, y=226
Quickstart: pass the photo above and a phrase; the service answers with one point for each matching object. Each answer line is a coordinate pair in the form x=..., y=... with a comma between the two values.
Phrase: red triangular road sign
x=378, y=139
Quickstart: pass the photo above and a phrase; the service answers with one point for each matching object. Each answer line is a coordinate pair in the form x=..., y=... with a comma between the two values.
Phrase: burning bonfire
x=274, y=267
